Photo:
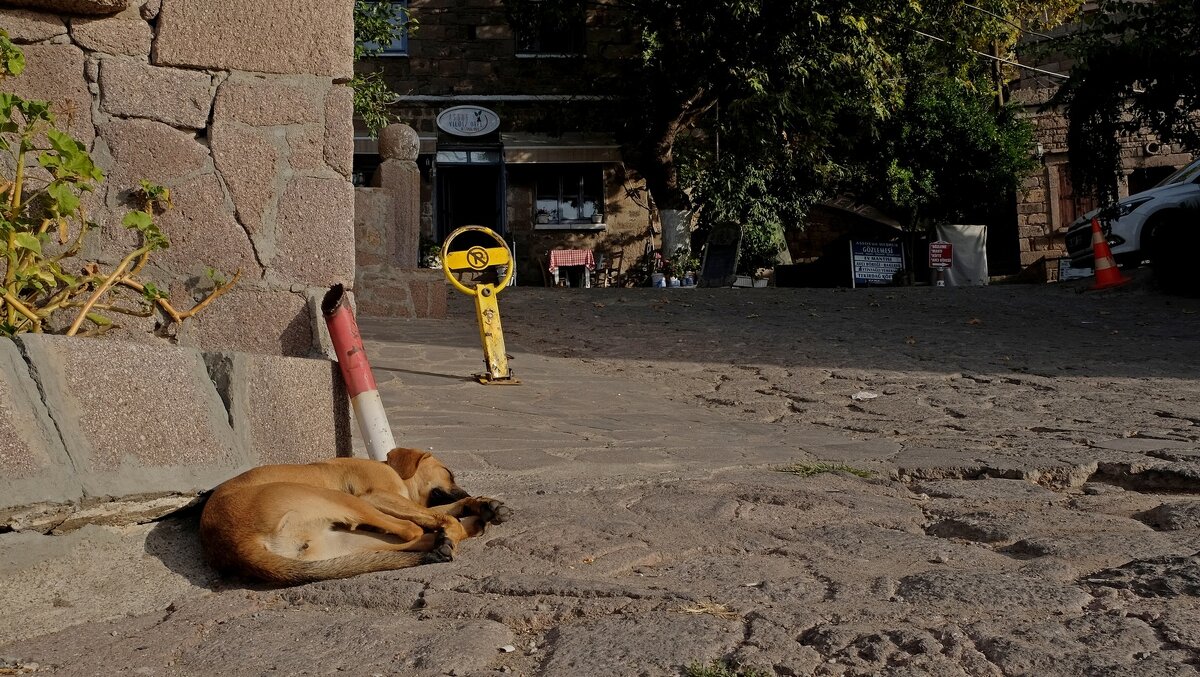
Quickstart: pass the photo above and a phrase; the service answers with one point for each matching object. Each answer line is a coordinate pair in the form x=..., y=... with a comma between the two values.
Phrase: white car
x=1157, y=224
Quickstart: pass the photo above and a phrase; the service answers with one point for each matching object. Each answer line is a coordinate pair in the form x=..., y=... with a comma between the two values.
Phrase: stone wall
x=241, y=109
x=84, y=421
x=1047, y=205
x=387, y=227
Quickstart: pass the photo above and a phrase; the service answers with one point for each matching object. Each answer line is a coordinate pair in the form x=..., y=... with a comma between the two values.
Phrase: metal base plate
x=487, y=380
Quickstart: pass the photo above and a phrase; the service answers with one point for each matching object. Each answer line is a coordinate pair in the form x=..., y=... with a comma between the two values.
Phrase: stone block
x=135, y=418
x=402, y=179
x=374, y=211
x=339, y=130
x=25, y=25
x=252, y=320
x=34, y=466
x=263, y=101
x=203, y=233
x=175, y=97
x=284, y=409
x=308, y=36
x=307, y=146
x=55, y=73
x=150, y=10
x=385, y=291
x=131, y=37
x=145, y=149
x=74, y=6
x=399, y=142
x=314, y=232
x=248, y=161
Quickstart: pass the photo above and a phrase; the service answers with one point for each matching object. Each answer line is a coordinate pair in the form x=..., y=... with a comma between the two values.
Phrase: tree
x=376, y=25
x=950, y=155
x=1138, y=68
x=795, y=90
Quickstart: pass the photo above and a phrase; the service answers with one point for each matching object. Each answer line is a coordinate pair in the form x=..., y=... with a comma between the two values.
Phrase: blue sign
x=875, y=262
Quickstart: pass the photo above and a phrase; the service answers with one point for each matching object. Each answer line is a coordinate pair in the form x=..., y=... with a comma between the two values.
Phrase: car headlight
x=1123, y=209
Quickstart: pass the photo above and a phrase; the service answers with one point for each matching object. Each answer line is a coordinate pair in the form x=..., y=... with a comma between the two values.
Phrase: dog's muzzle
x=440, y=496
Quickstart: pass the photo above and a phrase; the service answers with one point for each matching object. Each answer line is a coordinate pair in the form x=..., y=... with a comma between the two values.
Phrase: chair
x=608, y=268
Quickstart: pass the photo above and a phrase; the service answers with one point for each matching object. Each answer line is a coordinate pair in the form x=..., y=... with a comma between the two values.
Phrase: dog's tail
x=272, y=568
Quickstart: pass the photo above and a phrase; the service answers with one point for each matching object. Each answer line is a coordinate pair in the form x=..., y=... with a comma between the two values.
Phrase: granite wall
x=240, y=108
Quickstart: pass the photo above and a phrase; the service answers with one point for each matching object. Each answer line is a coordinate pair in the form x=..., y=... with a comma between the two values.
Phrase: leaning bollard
x=356, y=372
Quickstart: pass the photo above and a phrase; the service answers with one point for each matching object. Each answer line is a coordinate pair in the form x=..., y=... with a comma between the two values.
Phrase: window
x=553, y=34
x=569, y=193
x=394, y=13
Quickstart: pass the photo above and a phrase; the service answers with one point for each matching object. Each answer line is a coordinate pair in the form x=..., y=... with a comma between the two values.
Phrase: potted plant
x=543, y=216
x=597, y=217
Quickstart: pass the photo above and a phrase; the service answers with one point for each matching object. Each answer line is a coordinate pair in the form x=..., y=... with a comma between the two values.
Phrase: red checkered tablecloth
x=571, y=257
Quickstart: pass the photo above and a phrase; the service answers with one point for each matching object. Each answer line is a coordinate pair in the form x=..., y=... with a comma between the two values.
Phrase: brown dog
x=292, y=524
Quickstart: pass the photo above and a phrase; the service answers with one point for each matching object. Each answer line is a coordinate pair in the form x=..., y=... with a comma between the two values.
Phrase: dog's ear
x=405, y=461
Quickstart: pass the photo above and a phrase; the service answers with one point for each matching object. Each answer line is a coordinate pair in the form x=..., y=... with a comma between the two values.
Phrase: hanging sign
x=468, y=121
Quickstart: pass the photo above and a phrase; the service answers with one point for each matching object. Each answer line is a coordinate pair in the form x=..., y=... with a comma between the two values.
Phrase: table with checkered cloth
x=571, y=257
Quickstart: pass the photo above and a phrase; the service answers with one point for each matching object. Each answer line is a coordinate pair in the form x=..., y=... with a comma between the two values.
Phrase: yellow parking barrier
x=487, y=311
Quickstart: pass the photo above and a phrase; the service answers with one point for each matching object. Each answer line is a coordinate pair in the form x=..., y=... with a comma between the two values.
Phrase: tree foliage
x=1138, y=68
x=376, y=25
x=949, y=155
x=795, y=93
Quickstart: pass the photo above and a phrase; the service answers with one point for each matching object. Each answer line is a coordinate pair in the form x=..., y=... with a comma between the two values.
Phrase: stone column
x=399, y=176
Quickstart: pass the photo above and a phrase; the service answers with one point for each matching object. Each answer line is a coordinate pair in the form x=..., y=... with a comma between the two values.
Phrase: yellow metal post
x=491, y=335
x=487, y=311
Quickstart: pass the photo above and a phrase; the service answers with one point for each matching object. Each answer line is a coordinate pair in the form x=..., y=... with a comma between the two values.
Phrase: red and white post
x=356, y=372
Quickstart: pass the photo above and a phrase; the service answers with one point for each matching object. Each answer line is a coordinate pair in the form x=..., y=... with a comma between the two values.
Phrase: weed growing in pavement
x=810, y=469
x=722, y=669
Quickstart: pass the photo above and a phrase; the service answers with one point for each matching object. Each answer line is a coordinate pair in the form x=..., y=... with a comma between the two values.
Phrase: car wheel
x=1175, y=248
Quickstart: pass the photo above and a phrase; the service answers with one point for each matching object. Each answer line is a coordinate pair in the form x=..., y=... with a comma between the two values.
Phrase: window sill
x=570, y=225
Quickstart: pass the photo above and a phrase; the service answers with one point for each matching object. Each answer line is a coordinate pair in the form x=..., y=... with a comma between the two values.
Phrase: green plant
x=376, y=25
x=43, y=224
x=431, y=253
x=722, y=669
x=679, y=264
x=810, y=469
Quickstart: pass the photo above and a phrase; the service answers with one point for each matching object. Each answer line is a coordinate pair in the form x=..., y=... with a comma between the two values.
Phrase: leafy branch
x=42, y=209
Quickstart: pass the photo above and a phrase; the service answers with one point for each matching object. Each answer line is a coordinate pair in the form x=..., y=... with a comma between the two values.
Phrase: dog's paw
x=442, y=551
x=492, y=511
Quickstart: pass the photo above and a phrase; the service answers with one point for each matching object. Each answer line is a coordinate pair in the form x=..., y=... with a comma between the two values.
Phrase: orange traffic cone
x=1107, y=273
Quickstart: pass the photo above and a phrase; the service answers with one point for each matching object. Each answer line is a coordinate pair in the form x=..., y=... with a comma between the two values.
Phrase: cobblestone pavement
x=995, y=481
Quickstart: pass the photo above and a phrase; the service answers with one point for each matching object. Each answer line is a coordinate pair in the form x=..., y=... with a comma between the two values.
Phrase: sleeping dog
x=288, y=524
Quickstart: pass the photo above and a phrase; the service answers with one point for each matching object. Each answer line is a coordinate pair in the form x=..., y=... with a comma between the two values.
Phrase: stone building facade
x=549, y=151
x=241, y=110
x=1048, y=203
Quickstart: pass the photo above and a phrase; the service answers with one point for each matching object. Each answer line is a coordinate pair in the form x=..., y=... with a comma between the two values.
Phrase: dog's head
x=429, y=483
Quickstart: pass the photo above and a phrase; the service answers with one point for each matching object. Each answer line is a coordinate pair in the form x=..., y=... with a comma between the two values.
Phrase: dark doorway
x=469, y=195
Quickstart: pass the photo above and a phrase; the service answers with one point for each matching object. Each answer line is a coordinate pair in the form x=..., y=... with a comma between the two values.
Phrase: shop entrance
x=470, y=191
